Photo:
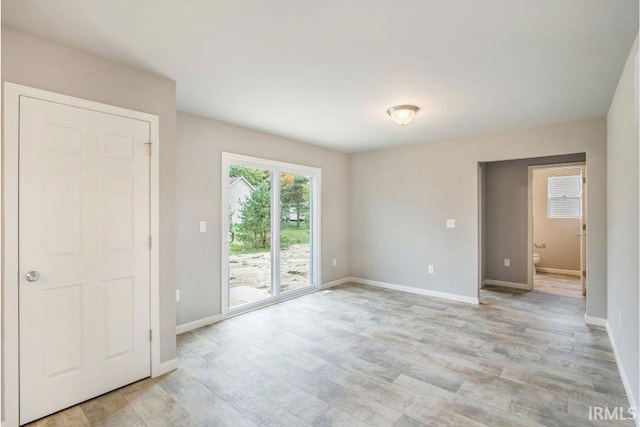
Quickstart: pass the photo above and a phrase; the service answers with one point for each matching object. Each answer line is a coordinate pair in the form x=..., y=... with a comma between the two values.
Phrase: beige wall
x=560, y=235
x=402, y=196
x=507, y=215
x=198, y=198
x=42, y=64
x=622, y=226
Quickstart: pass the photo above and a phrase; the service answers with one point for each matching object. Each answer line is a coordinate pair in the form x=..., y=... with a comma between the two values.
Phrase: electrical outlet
x=507, y=262
x=430, y=269
x=335, y=262
x=451, y=223
x=203, y=226
x=177, y=295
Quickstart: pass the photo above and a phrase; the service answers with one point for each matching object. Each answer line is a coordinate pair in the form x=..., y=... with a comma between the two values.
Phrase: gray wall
x=622, y=224
x=506, y=215
x=401, y=198
x=42, y=64
x=559, y=235
x=198, y=185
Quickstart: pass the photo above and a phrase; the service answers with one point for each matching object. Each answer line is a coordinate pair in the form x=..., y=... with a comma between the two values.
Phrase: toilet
x=536, y=259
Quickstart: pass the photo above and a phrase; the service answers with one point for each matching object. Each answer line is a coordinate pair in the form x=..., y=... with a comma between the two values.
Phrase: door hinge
x=584, y=227
x=149, y=148
x=584, y=273
x=150, y=335
x=584, y=179
x=150, y=242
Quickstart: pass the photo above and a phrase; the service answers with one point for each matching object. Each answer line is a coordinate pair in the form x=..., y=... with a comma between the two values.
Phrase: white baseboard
x=336, y=283
x=412, y=290
x=558, y=271
x=186, y=327
x=168, y=366
x=623, y=375
x=596, y=321
x=505, y=284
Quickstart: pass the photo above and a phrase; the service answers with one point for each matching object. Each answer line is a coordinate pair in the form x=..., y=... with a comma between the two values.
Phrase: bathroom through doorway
x=532, y=233
x=557, y=228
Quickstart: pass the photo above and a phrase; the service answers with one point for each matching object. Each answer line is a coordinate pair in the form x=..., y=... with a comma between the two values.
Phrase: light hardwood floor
x=559, y=284
x=363, y=356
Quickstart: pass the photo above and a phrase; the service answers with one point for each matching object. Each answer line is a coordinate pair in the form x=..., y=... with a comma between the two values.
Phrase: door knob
x=32, y=276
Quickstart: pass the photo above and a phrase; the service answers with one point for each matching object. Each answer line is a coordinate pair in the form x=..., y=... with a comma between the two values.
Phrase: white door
x=84, y=255
x=583, y=234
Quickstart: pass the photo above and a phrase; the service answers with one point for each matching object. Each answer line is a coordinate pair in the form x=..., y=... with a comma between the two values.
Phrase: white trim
x=154, y=231
x=558, y=271
x=623, y=375
x=595, y=321
x=228, y=159
x=224, y=236
x=12, y=94
x=168, y=366
x=413, y=290
x=10, y=317
x=336, y=282
x=190, y=326
x=275, y=233
x=505, y=284
x=530, y=264
x=481, y=178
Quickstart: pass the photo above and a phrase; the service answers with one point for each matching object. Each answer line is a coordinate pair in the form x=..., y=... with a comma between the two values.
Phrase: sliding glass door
x=295, y=232
x=271, y=225
x=249, y=235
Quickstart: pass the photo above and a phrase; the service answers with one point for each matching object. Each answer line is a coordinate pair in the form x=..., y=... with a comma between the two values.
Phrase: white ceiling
x=325, y=71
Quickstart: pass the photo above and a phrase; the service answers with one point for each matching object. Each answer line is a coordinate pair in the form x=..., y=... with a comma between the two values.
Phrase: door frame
x=530, y=265
x=9, y=157
x=228, y=159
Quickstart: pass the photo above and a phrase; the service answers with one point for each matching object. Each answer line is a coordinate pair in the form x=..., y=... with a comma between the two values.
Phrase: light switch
x=451, y=223
x=507, y=262
x=203, y=226
x=430, y=269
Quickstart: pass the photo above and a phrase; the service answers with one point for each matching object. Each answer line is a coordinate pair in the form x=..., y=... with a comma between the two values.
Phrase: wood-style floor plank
x=362, y=356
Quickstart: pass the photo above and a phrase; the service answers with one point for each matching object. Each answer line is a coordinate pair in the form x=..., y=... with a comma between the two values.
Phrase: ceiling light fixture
x=402, y=114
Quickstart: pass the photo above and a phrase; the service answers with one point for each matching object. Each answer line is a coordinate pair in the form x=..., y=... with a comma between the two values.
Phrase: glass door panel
x=250, y=254
x=295, y=232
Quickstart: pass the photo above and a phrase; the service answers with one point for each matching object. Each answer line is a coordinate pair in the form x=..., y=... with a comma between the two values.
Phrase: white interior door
x=583, y=234
x=83, y=255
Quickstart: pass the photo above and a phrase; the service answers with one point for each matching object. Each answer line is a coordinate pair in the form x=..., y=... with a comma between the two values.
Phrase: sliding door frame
x=276, y=168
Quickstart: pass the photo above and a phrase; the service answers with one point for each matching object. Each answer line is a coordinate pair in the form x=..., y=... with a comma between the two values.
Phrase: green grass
x=292, y=235
x=289, y=235
x=237, y=248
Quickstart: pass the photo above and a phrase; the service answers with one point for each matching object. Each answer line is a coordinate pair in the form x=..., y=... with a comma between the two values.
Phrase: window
x=564, y=196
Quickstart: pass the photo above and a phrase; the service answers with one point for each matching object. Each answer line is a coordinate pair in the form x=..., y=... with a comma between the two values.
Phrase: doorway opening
x=532, y=225
x=271, y=221
x=557, y=228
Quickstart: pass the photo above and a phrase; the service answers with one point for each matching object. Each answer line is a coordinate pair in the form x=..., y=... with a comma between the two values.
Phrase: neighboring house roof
x=235, y=180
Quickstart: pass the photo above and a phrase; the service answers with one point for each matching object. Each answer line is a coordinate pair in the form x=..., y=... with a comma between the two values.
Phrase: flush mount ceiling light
x=402, y=114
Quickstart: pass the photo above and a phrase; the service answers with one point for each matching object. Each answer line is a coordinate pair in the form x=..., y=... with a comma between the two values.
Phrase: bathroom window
x=564, y=196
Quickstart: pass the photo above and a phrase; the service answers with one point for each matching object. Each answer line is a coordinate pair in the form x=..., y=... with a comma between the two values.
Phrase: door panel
x=250, y=234
x=583, y=234
x=295, y=232
x=84, y=226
